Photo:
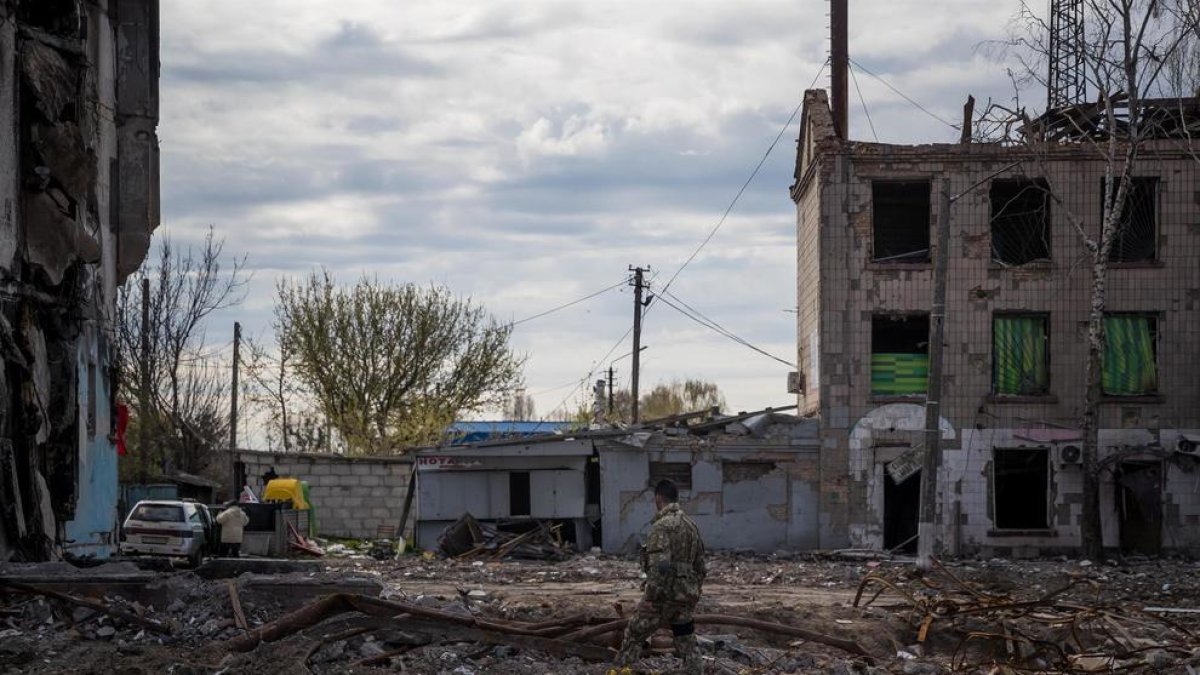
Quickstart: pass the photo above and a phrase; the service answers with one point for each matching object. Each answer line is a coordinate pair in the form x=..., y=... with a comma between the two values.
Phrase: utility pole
x=610, y=391
x=233, y=395
x=638, y=284
x=927, y=523
x=144, y=398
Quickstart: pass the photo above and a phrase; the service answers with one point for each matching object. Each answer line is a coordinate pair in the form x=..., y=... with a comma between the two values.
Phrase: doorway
x=1139, y=506
x=901, y=506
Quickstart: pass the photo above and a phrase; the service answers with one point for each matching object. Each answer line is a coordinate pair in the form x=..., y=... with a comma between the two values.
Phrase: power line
x=566, y=305
x=863, y=101
x=587, y=378
x=746, y=184
x=699, y=318
x=905, y=96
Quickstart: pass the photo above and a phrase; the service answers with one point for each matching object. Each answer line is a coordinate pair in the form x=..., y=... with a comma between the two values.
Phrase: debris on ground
x=467, y=538
x=781, y=613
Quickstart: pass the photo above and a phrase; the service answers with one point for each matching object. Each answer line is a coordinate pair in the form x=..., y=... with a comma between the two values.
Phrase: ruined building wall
x=63, y=216
x=864, y=431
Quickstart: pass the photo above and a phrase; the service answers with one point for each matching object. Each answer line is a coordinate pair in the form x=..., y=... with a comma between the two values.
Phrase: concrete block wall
x=353, y=496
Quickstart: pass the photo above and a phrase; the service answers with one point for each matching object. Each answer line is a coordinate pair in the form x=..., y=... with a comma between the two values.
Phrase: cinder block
x=369, y=480
x=363, y=469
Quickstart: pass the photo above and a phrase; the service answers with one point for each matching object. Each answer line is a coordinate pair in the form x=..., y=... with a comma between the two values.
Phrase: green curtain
x=1129, y=367
x=899, y=374
x=1019, y=344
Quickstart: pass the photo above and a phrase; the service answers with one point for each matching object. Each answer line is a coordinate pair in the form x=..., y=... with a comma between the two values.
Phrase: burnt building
x=1015, y=347
x=78, y=203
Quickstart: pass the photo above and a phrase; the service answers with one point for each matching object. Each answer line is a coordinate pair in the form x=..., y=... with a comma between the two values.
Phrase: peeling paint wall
x=837, y=299
x=746, y=493
x=60, y=175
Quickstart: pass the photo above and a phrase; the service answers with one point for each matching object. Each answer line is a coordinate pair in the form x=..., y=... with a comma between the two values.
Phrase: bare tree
x=1136, y=57
x=663, y=400
x=186, y=418
x=391, y=367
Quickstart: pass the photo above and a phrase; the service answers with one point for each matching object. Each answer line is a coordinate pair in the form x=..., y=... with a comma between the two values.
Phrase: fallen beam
x=726, y=620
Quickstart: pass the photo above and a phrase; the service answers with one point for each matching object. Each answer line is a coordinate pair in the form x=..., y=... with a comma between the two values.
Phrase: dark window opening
x=679, y=473
x=1020, y=355
x=899, y=355
x=1021, y=488
x=518, y=493
x=900, y=221
x=59, y=17
x=1020, y=221
x=1130, y=355
x=736, y=472
x=1135, y=239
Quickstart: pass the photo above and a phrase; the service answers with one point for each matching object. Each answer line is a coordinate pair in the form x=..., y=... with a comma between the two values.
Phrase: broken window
x=1135, y=239
x=900, y=221
x=1020, y=221
x=1021, y=488
x=1130, y=355
x=679, y=473
x=519, y=501
x=899, y=355
x=1020, y=355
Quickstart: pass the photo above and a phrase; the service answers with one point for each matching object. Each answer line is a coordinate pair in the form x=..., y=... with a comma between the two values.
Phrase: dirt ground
x=979, y=617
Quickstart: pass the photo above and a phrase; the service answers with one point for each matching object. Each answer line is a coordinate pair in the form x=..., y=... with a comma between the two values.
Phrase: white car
x=168, y=528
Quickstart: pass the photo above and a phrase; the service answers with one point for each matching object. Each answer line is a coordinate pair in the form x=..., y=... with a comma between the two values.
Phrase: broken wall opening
x=1020, y=221
x=1139, y=506
x=520, y=499
x=899, y=354
x=901, y=508
x=1021, y=488
x=1136, y=237
x=679, y=473
x=900, y=221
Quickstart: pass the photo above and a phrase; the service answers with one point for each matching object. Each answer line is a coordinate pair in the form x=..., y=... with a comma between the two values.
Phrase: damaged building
x=749, y=481
x=78, y=203
x=1015, y=348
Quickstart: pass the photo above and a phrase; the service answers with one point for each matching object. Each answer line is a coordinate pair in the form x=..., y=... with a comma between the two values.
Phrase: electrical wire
x=566, y=305
x=703, y=320
x=746, y=184
x=863, y=101
x=587, y=378
x=905, y=96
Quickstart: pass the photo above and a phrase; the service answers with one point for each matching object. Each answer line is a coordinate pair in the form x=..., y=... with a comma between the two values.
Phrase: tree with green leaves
x=391, y=366
x=665, y=399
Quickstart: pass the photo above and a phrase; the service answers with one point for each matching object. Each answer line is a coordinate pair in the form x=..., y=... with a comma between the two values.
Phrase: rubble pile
x=1000, y=626
x=467, y=538
x=759, y=614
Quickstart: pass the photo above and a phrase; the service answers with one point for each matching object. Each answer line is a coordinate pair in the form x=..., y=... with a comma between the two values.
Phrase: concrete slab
x=228, y=568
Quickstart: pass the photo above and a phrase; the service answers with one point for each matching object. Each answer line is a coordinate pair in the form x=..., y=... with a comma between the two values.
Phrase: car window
x=194, y=517
x=157, y=513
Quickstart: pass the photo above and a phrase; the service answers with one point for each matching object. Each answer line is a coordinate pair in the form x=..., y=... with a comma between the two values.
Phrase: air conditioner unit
x=1070, y=454
x=795, y=382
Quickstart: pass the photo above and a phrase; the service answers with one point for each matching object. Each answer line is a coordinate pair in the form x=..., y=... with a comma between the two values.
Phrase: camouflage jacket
x=674, y=558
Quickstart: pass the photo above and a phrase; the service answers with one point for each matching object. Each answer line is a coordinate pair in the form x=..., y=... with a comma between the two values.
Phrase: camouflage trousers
x=648, y=619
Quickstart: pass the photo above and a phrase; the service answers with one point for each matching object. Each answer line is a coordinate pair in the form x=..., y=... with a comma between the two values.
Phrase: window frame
x=898, y=259
x=1047, y=219
x=1049, y=494
x=916, y=396
x=1047, y=354
x=1154, y=182
x=1155, y=337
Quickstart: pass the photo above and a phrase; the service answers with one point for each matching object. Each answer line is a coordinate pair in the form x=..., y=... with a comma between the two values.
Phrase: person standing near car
x=233, y=522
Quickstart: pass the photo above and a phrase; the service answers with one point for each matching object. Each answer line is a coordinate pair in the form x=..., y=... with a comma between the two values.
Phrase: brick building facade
x=1015, y=341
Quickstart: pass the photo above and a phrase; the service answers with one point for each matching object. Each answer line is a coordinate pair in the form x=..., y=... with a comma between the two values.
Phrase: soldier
x=673, y=560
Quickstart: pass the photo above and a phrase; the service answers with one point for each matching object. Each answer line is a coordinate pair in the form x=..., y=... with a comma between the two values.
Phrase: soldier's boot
x=687, y=648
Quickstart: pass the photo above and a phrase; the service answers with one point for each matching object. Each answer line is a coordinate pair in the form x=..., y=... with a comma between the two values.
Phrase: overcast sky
x=525, y=153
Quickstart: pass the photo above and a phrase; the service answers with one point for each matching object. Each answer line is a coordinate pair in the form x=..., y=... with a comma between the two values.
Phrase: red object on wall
x=122, y=423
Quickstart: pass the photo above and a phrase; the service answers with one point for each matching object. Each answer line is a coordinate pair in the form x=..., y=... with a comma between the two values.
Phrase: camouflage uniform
x=673, y=561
